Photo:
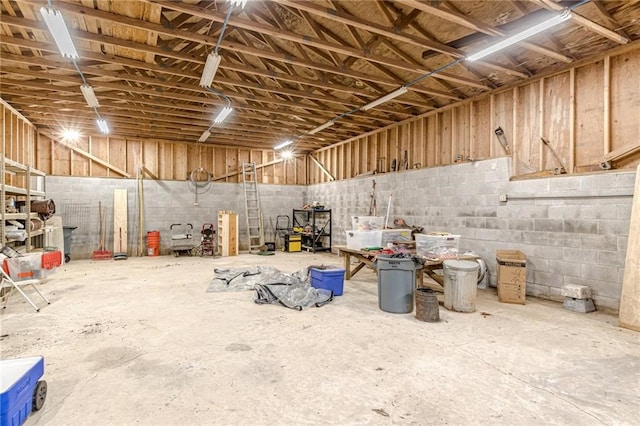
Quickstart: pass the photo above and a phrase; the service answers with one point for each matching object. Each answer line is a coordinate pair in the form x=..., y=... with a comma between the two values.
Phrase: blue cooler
x=21, y=390
x=328, y=279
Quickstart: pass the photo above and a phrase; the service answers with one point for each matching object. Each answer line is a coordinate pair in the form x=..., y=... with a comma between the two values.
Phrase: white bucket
x=460, y=285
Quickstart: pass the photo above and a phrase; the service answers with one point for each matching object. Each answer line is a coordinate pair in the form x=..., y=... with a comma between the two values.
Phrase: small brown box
x=512, y=276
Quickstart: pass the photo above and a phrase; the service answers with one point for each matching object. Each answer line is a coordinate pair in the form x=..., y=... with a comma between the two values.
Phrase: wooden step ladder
x=255, y=230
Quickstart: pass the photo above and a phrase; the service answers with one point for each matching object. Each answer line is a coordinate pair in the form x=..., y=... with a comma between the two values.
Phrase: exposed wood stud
x=541, y=125
x=606, y=101
x=572, y=120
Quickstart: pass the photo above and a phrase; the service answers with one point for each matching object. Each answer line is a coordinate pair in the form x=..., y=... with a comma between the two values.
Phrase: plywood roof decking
x=288, y=65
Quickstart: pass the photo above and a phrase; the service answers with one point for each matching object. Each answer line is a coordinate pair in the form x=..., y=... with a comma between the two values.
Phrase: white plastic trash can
x=460, y=285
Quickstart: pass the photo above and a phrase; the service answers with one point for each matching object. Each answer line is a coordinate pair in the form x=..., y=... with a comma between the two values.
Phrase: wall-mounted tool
x=558, y=170
x=373, y=208
x=502, y=139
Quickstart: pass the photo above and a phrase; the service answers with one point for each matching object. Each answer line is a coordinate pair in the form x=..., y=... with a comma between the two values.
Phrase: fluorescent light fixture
x=89, y=95
x=385, y=98
x=240, y=3
x=283, y=144
x=223, y=114
x=59, y=31
x=102, y=124
x=531, y=31
x=210, y=69
x=204, y=136
x=321, y=127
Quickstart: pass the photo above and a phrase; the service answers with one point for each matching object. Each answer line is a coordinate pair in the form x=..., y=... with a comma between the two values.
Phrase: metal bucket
x=427, y=307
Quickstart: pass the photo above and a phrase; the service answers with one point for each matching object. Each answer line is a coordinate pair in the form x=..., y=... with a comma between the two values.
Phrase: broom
x=101, y=254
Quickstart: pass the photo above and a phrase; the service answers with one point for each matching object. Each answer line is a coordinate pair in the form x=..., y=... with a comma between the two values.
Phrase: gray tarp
x=272, y=286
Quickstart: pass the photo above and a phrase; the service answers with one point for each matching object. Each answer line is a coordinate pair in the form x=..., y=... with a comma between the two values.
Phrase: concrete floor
x=140, y=341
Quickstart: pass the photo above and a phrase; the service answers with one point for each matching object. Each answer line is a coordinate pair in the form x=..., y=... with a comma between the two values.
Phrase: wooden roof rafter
x=288, y=65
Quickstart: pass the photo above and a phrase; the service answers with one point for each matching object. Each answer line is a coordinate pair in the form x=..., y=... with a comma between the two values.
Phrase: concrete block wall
x=165, y=203
x=573, y=229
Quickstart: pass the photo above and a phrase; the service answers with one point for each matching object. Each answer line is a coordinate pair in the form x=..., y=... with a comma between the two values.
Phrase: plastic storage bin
x=328, y=279
x=367, y=223
x=438, y=246
x=20, y=389
x=396, y=280
x=393, y=235
x=25, y=267
x=357, y=240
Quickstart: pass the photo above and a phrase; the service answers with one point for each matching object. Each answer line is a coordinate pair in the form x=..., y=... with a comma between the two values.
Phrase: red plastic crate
x=51, y=259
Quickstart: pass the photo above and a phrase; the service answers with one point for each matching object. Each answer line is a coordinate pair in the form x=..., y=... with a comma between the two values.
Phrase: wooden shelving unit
x=17, y=179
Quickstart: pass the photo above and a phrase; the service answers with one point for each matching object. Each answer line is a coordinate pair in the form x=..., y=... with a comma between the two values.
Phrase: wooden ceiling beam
x=156, y=82
x=296, y=38
x=74, y=90
x=585, y=22
x=477, y=25
x=182, y=111
x=204, y=121
x=371, y=27
x=514, y=63
x=132, y=128
x=612, y=24
x=87, y=55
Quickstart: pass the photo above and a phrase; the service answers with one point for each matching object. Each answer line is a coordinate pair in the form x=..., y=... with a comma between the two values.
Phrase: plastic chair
x=7, y=285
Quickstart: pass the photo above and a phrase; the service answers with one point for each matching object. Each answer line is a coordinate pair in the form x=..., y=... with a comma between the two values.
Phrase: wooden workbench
x=366, y=258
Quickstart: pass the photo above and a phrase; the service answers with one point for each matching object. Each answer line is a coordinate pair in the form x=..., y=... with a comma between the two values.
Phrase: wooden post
x=541, y=130
x=472, y=126
x=438, y=139
x=630, y=296
x=515, y=146
x=606, y=105
x=572, y=120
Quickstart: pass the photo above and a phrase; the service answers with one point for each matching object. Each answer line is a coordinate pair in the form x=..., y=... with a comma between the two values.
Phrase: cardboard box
x=512, y=276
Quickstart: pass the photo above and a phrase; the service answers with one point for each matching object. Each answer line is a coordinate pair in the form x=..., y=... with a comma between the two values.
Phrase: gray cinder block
x=576, y=291
x=579, y=305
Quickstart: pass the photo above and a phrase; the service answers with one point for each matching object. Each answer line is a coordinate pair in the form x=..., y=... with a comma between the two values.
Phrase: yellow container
x=292, y=243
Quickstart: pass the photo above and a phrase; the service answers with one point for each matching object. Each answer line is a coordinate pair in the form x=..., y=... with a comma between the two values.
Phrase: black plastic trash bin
x=67, y=230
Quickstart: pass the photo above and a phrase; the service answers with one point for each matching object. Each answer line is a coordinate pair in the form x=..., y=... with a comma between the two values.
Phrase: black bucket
x=427, y=307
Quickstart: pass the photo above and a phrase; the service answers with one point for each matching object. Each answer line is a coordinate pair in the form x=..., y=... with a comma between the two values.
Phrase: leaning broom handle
x=386, y=222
